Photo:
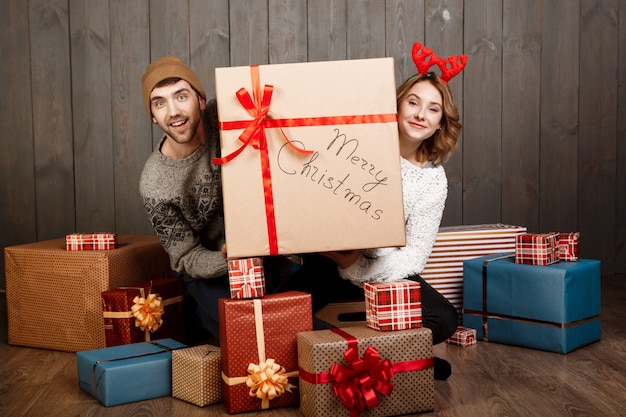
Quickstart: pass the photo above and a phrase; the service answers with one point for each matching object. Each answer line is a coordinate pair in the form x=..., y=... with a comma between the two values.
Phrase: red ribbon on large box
x=357, y=384
x=258, y=106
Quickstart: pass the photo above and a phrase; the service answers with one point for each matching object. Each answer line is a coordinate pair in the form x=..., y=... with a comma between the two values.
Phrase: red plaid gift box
x=568, y=246
x=91, y=241
x=393, y=305
x=246, y=278
x=537, y=248
x=463, y=336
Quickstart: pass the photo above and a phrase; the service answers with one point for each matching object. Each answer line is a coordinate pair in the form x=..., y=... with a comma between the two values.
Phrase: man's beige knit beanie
x=163, y=68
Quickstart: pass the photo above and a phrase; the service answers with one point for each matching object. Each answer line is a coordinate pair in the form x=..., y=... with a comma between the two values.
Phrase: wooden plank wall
x=543, y=101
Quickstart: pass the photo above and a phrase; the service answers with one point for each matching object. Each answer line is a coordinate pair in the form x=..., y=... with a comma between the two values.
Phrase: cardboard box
x=127, y=373
x=554, y=308
x=246, y=278
x=196, y=375
x=91, y=241
x=537, y=249
x=256, y=334
x=327, y=359
x=395, y=305
x=455, y=244
x=347, y=193
x=120, y=324
x=54, y=295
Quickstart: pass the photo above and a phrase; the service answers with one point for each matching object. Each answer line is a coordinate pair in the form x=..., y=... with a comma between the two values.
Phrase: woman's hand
x=343, y=258
x=224, y=252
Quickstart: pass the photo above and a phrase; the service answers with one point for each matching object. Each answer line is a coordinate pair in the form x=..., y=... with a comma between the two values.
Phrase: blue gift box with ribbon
x=554, y=308
x=127, y=373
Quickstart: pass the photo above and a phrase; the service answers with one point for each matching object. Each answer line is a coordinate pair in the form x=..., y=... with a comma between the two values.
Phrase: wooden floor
x=488, y=379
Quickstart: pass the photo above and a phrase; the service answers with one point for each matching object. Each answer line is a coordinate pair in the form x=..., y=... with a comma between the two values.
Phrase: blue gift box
x=554, y=308
x=127, y=373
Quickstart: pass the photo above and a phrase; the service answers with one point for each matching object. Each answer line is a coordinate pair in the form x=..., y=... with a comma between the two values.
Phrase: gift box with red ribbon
x=463, y=336
x=196, y=375
x=91, y=241
x=568, y=246
x=537, y=248
x=283, y=154
x=136, y=312
x=246, y=278
x=394, y=305
x=259, y=350
x=360, y=371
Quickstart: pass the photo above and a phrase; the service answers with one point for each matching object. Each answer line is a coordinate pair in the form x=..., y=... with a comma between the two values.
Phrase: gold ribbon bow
x=148, y=312
x=267, y=380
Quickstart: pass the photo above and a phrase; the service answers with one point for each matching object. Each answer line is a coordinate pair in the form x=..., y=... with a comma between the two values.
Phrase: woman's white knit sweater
x=425, y=190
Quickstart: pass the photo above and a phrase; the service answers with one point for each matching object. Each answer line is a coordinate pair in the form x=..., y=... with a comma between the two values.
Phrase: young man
x=181, y=188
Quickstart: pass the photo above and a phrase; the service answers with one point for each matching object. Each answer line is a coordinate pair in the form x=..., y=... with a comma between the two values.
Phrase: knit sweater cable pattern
x=425, y=190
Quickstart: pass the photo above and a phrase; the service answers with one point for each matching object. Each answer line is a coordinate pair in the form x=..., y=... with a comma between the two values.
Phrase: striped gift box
x=393, y=305
x=568, y=246
x=463, y=336
x=455, y=244
x=537, y=249
x=91, y=241
x=246, y=278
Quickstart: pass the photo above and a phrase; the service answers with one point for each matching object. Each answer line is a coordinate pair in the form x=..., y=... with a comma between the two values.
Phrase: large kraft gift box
x=258, y=338
x=127, y=373
x=554, y=308
x=455, y=244
x=346, y=192
x=54, y=295
x=397, y=368
x=120, y=324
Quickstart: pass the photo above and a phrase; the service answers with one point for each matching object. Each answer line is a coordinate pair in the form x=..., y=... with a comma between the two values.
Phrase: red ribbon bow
x=357, y=384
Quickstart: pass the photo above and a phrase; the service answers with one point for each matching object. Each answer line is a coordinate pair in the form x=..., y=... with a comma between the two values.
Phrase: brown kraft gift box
x=54, y=296
x=119, y=322
x=257, y=331
x=400, y=363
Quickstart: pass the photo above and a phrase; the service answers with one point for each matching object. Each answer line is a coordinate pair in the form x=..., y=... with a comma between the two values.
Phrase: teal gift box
x=127, y=373
x=555, y=308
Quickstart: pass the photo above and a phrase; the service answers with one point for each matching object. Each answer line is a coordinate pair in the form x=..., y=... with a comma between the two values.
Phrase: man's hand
x=343, y=258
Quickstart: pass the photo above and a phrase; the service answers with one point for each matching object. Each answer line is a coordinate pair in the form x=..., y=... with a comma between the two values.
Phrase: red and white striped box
x=246, y=278
x=455, y=244
x=568, y=246
x=537, y=249
x=463, y=336
x=395, y=305
x=91, y=241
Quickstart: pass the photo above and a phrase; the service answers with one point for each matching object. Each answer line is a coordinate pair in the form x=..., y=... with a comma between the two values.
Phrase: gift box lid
x=559, y=293
x=117, y=374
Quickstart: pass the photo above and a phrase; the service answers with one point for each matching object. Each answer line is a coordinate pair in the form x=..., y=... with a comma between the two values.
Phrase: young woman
x=429, y=128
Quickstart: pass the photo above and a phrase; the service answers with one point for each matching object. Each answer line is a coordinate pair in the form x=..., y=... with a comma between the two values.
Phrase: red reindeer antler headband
x=423, y=65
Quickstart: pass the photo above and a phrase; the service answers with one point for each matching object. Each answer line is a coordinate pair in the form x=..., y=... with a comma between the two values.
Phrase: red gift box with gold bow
x=259, y=350
x=135, y=313
x=301, y=135
x=361, y=371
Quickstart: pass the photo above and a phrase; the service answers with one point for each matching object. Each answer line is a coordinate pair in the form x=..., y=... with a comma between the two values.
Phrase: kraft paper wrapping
x=196, y=375
x=412, y=391
x=54, y=295
x=352, y=177
x=283, y=316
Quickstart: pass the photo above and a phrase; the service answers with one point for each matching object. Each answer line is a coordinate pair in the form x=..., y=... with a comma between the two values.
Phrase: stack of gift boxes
x=542, y=296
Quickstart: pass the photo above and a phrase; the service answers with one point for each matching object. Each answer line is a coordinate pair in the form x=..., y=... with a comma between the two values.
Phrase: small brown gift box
x=54, y=295
x=400, y=363
x=119, y=322
x=196, y=375
x=255, y=332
